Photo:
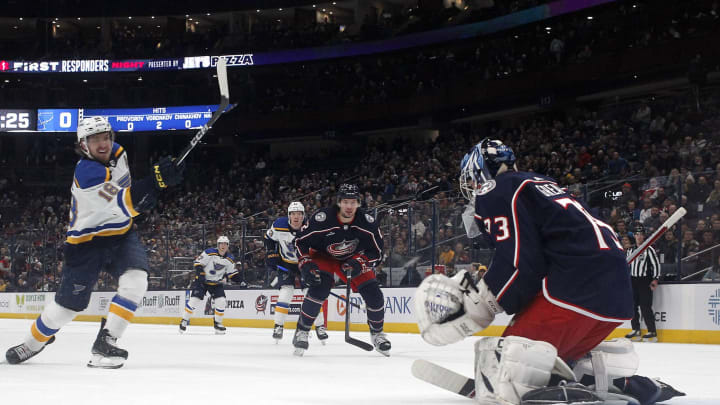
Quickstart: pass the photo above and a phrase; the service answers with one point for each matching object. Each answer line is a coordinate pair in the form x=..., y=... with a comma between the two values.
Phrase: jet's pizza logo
x=714, y=307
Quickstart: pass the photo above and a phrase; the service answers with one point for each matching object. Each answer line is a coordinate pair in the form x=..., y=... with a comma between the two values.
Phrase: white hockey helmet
x=296, y=206
x=223, y=239
x=91, y=126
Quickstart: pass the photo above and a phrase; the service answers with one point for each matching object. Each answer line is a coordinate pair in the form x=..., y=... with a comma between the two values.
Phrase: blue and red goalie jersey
x=547, y=242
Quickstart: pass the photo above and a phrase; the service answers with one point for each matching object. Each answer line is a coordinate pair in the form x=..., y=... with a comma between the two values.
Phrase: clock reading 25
x=13, y=120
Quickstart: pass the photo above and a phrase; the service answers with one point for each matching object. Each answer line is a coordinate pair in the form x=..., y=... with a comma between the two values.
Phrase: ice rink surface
x=245, y=366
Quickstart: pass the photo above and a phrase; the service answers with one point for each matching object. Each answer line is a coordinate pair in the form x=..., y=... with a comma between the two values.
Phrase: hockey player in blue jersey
x=560, y=271
x=100, y=237
x=281, y=258
x=342, y=240
x=211, y=267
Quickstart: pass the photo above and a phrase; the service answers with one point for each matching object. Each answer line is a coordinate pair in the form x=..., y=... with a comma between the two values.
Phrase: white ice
x=245, y=366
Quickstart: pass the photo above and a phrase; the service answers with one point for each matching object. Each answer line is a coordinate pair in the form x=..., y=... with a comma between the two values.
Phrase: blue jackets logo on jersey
x=344, y=248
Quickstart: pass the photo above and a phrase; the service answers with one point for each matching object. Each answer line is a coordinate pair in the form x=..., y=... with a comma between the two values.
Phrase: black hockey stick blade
x=224, y=103
x=348, y=339
x=444, y=378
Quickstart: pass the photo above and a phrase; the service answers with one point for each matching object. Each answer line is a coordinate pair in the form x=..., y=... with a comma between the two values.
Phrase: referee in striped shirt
x=644, y=272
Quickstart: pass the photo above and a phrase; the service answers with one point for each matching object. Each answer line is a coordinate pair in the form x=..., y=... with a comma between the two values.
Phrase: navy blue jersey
x=546, y=241
x=324, y=233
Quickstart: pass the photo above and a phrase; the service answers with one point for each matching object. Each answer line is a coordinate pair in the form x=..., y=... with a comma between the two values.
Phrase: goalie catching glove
x=450, y=309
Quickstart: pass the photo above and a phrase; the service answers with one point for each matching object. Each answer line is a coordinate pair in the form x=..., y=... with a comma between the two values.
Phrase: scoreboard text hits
x=121, y=119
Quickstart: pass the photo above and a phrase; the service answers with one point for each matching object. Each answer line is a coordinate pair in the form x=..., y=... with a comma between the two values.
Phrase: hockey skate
x=381, y=343
x=219, y=328
x=650, y=337
x=635, y=336
x=278, y=333
x=300, y=341
x=105, y=353
x=321, y=333
x=18, y=354
x=183, y=325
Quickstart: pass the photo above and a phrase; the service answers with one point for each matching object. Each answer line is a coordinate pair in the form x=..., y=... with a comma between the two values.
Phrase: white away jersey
x=101, y=203
x=213, y=266
x=281, y=233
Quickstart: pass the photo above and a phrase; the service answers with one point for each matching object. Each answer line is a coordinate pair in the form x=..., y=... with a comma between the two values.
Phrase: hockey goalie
x=563, y=275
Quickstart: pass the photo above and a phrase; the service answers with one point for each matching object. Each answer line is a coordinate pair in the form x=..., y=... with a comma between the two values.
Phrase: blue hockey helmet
x=482, y=163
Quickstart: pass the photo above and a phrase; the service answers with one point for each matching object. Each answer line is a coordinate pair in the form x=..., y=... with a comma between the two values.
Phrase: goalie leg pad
x=507, y=368
x=619, y=358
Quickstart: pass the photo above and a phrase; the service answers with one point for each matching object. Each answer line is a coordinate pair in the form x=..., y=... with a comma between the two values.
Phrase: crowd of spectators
x=250, y=30
x=633, y=162
x=543, y=46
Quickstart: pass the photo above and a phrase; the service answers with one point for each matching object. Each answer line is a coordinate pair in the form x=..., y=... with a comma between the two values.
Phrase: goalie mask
x=92, y=126
x=482, y=164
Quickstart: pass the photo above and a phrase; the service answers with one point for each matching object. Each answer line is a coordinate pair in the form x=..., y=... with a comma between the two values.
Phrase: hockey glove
x=310, y=272
x=235, y=277
x=356, y=265
x=143, y=194
x=450, y=309
x=166, y=174
x=200, y=275
x=272, y=261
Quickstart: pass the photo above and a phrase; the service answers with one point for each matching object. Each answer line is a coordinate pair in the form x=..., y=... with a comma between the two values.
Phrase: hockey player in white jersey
x=211, y=267
x=281, y=258
x=100, y=237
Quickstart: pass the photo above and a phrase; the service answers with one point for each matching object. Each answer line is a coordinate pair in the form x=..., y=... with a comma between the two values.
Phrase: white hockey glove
x=450, y=309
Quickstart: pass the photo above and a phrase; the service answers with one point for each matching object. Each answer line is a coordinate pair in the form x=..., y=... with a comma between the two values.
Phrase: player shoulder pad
x=320, y=216
x=210, y=251
x=230, y=257
x=486, y=187
x=281, y=223
x=117, y=150
x=364, y=216
x=90, y=173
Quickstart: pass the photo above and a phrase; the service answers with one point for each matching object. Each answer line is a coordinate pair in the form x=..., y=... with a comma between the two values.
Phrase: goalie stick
x=444, y=378
x=224, y=103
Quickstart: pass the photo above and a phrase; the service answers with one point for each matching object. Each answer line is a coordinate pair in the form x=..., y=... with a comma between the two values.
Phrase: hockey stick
x=657, y=234
x=224, y=102
x=340, y=297
x=347, y=301
x=444, y=378
x=355, y=342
